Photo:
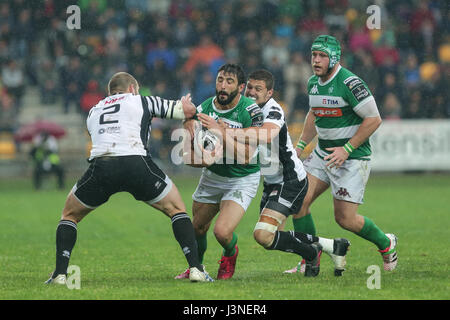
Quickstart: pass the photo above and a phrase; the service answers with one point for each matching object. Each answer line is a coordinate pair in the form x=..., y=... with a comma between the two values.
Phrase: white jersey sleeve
x=273, y=113
x=119, y=125
x=159, y=107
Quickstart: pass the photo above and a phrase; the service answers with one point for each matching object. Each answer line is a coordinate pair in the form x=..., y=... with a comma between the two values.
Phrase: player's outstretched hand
x=337, y=157
x=188, y=107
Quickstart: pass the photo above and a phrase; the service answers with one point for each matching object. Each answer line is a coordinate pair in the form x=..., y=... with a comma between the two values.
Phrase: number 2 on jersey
x=115, y=110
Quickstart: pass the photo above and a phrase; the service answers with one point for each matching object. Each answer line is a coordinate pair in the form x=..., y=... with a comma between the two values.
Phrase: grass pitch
x=126, y=249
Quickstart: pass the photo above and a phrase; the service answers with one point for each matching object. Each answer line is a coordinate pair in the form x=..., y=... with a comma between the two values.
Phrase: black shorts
x=285, y=198
x=138, y=175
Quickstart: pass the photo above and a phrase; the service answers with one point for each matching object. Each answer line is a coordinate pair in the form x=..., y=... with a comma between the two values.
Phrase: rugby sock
x=183, y=231
x=305, y=224
x=285, y=241
x=230, y=249
x=372, y=233
x=327, y=244
x=66, y=236
x=202, y=244
x=303, y=237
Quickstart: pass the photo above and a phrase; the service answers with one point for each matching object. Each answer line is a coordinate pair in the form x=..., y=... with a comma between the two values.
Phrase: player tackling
x=119, y=126
x=285, y=180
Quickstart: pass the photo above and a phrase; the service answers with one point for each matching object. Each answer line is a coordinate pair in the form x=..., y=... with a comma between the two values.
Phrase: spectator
x=296, y=74
x=46, y=160
x=276, y=50
x=414, y=106
x=161, y=53
x=411, y=72
x=8, y=112
x=314, y=23
x=204, y=54
x=204, y=87
x=436, y=96
x=13, y=78
x=48, y=82
x=360, y=40
x=389, y=84
x=90, y=97
x=390, y=107
x=72, y=79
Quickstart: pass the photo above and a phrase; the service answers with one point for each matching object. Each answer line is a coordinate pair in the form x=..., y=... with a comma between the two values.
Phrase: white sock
x=327, y=245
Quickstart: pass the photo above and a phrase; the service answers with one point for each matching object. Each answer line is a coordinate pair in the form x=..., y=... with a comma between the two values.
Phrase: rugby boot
x=340, y=249
x=227, y=266
x=184, y=275
x=390, y=253
x=60, y=279
x=312, y=267
x=195, y=275
x=300, y=268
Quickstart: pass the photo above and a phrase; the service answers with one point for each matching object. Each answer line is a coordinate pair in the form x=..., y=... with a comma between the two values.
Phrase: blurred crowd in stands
x=175, y=46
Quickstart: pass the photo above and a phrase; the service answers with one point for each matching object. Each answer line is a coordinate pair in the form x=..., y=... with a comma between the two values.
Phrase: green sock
x=372, y=233
x=229, y=250
x=305, y=224
x=202, y=244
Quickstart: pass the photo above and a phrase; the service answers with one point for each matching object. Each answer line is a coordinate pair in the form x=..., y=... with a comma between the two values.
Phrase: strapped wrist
x=301, y=144
x=349, y=148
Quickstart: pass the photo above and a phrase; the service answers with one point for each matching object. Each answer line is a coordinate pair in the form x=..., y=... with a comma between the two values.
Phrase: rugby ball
x=205, y=141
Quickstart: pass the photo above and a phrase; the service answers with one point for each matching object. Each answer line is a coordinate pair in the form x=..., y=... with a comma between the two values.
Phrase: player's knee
x=342, y=220
x=264, y=238
x=199, y=229
x=72, y=215
x=222, y=234
x=73, y=210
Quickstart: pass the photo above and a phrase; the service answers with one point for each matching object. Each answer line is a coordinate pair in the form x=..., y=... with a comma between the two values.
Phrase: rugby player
x=225, y=188
x=120, y=160
x=285, y=181
x=343, y=114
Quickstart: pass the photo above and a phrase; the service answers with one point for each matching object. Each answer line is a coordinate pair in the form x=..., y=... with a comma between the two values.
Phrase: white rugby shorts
x=348, y=182
x=213, y=188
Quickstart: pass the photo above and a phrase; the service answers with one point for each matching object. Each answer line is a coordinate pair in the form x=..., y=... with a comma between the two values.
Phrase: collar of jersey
x=224, y=111
x=329, y=80
x=269, y=103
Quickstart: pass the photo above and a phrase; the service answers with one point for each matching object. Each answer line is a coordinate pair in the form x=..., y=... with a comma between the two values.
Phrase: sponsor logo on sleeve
x=357, y=88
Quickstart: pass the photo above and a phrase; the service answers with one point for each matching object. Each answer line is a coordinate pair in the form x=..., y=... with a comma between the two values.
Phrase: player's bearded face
x=224, y=97
x=227, y=88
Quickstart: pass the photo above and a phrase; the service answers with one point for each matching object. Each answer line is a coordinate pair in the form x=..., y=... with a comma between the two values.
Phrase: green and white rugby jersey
x=334, y=103
x=245, y=114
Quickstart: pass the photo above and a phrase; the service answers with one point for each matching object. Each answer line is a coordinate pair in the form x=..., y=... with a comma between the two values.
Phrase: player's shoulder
x=357, y=90
x=246, y=101
x=348, y=78
x=205, y=105
x=247, y=105
x=273, y=111
x=273, y=105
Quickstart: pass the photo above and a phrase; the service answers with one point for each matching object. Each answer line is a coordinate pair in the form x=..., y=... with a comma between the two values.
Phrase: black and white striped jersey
x=120, y=124
x=279, y=161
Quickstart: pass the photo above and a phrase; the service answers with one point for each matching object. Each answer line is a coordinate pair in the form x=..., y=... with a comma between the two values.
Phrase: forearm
x=366, y=129
x=309, y=129
x=241, y=150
